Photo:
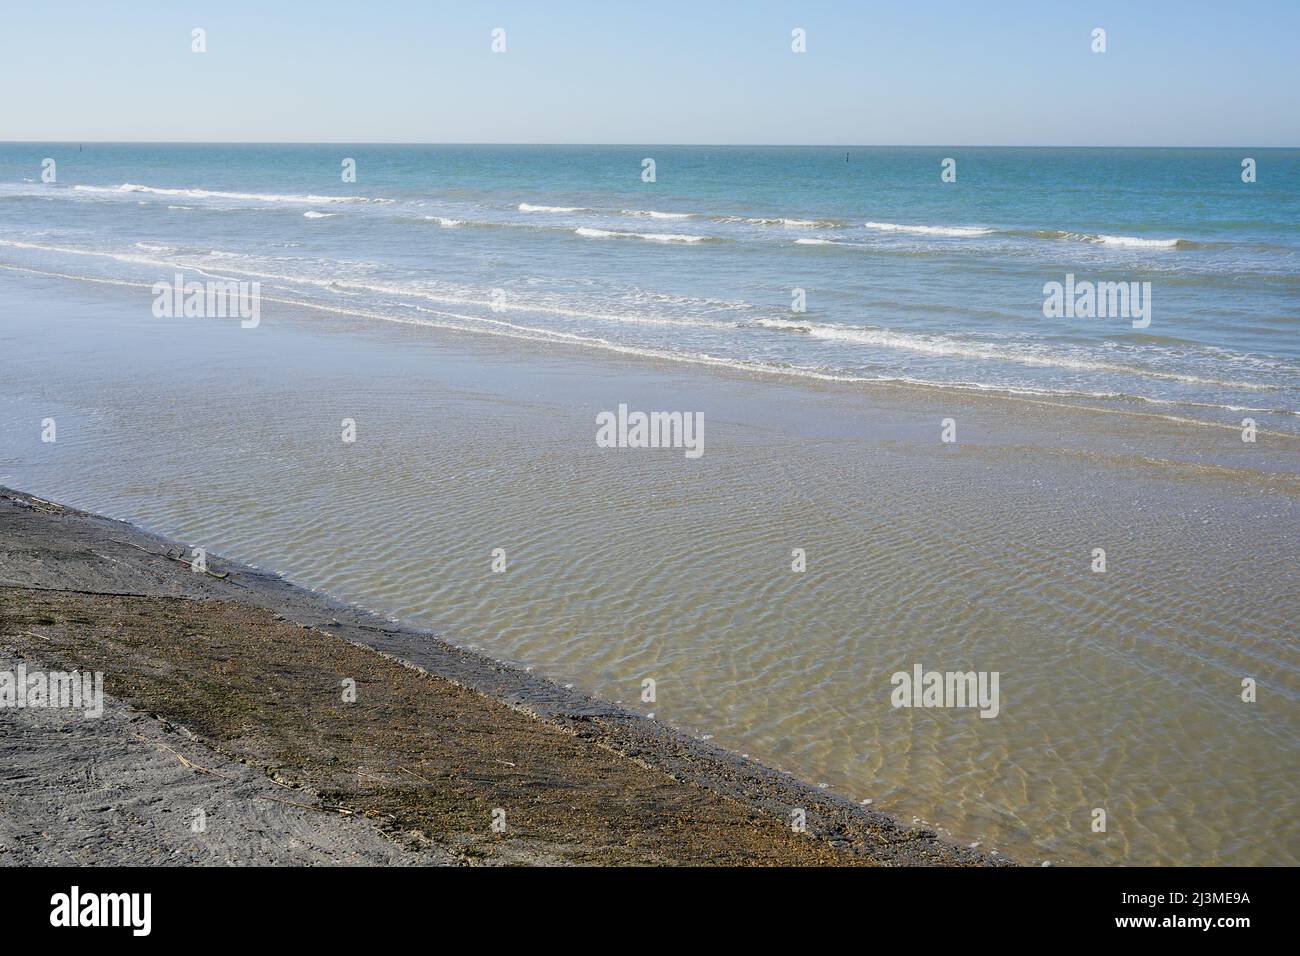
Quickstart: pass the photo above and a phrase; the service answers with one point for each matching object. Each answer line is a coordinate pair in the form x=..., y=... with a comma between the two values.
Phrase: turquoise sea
x=904, y=276
x=474, y=309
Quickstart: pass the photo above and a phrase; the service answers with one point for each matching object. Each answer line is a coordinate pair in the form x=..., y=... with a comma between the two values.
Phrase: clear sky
x=949, y=72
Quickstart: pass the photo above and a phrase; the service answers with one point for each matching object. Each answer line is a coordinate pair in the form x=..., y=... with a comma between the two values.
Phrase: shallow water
x=1119, y=691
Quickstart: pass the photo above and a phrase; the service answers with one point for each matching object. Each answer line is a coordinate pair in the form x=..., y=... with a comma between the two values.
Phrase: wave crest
x=953, y=231
x=654, y=214
x=530, y=207
x=590, y=233
x=218, y=194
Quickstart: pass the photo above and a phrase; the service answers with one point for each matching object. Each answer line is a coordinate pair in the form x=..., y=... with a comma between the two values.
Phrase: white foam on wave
x=784, y=223
x=1121, y=242
x=1135, y=242
x=1021, y=354
x=223, y=254
x=217, y=194
x=481, y=324
x=793, y=223
x=445, y=222
x=654, y=214
x=658, y=214
x=590, y=233
x=1004, y=352
x=529, y=207
x=813, y=241
x=240, y=262
x=313, y=214
x=954, y=231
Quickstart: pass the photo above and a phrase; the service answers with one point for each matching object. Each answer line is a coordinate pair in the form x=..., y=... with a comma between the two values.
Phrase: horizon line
x=268, y=142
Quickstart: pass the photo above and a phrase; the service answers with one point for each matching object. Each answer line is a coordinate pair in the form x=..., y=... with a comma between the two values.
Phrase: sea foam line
x=1135, y=242
x=955, y=231
x=216, y=194
x=879, y=338
x=653, y=214
x=352, y=286
x=1103, y=239
x=1130, y=242
x=530, y=207
x=528, y=333
x=590, y=233
x=784, y=222
x=939, y=345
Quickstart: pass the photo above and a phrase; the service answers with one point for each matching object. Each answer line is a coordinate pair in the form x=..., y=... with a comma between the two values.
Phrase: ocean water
x=476, y=430
x=904, y=277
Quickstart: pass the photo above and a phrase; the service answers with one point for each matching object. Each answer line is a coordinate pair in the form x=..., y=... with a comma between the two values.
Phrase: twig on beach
x=416, y=775
x=185, y=761
x=34, y=634
x=32, y=587
x=191, y=765
x=137, y=547
x=323, y=808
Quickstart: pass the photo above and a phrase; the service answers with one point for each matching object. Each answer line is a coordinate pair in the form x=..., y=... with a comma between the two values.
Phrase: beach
x=886, y=456
x=628, y=564
x=224, y=705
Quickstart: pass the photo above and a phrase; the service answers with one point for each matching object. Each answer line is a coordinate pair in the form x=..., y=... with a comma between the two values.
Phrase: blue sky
x=1185, y=73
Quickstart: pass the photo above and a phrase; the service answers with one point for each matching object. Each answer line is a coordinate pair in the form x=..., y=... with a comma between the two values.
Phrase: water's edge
x=829, y=816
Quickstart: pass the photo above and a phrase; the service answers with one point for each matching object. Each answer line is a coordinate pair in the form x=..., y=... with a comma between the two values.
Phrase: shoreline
x=972, y=554
x=82, y=590
x=1164, y=413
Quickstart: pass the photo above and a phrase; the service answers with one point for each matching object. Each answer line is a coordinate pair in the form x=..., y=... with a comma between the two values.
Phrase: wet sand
x=225, y=695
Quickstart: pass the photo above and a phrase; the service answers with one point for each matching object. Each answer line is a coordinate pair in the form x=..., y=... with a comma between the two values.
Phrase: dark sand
x=225, y=694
